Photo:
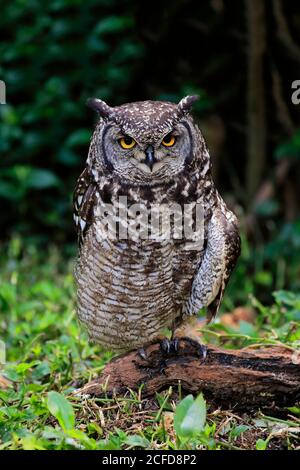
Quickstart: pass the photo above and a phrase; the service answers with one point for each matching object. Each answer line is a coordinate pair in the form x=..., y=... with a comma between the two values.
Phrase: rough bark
x=245, y=378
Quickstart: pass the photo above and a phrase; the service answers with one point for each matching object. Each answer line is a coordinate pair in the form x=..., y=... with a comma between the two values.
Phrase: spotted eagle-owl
x=129, y=290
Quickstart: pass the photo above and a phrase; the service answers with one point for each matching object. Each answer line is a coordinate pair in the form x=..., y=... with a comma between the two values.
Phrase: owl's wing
x=219, y=259
x=231, y=249
x=84, y=199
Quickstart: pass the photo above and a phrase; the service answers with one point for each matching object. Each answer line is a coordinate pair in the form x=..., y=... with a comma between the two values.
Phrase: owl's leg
x=189, y=326
x=186, y=329
x=169, y=346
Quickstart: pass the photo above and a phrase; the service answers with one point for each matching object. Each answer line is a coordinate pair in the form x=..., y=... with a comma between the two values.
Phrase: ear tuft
x=100, y=107
x=185, y=105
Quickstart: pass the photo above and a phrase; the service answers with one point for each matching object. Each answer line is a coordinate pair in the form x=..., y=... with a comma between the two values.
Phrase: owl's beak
x=150, y=159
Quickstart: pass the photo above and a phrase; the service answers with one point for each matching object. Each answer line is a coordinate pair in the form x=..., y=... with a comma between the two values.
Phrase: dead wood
x=245, y=378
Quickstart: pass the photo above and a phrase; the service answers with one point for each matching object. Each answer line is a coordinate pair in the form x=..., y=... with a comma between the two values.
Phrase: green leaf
x=285, y=297
x=291, y=148
x=30, y=442
x=113, y=24
x=41, y=371
x=62, y=410
x=267, y=208
x=238, y=430
x=190, y=417
x=42, y=179
x=137, y=441
x=86, y=441
x=295, y=410
x=263, y=278
x=79, y=137
x=247, y=328
x=22, y=367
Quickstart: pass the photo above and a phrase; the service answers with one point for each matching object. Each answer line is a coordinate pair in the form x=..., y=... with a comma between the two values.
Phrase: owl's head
x=147, y=142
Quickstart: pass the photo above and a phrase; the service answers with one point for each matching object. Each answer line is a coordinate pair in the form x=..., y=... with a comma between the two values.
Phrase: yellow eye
x=168, y=140
x=127, y=142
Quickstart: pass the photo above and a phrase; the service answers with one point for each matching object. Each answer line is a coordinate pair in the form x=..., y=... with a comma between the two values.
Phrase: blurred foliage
x=55, y=54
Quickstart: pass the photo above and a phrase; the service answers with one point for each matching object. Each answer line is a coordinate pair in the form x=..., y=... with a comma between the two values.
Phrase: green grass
x=48, y=356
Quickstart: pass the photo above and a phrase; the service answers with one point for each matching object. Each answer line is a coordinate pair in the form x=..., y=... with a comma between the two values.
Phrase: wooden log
x=245, y=378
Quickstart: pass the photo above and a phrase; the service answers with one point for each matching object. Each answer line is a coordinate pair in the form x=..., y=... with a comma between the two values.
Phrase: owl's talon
x=165, y=345
x=176, y=344
x=168, y=346
x=203, y=351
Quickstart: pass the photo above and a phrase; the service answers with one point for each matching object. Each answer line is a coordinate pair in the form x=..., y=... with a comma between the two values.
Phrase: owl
x=132, y=288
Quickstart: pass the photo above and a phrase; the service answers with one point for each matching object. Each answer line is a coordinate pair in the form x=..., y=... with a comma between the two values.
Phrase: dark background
x=241, y=57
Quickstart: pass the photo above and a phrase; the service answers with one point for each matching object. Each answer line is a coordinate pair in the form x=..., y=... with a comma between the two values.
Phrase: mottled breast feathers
x=129, y=290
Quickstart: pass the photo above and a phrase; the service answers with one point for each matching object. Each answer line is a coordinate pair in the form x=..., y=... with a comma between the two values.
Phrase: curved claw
x=169, y=346
x=165, y=345
x=142, y=353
